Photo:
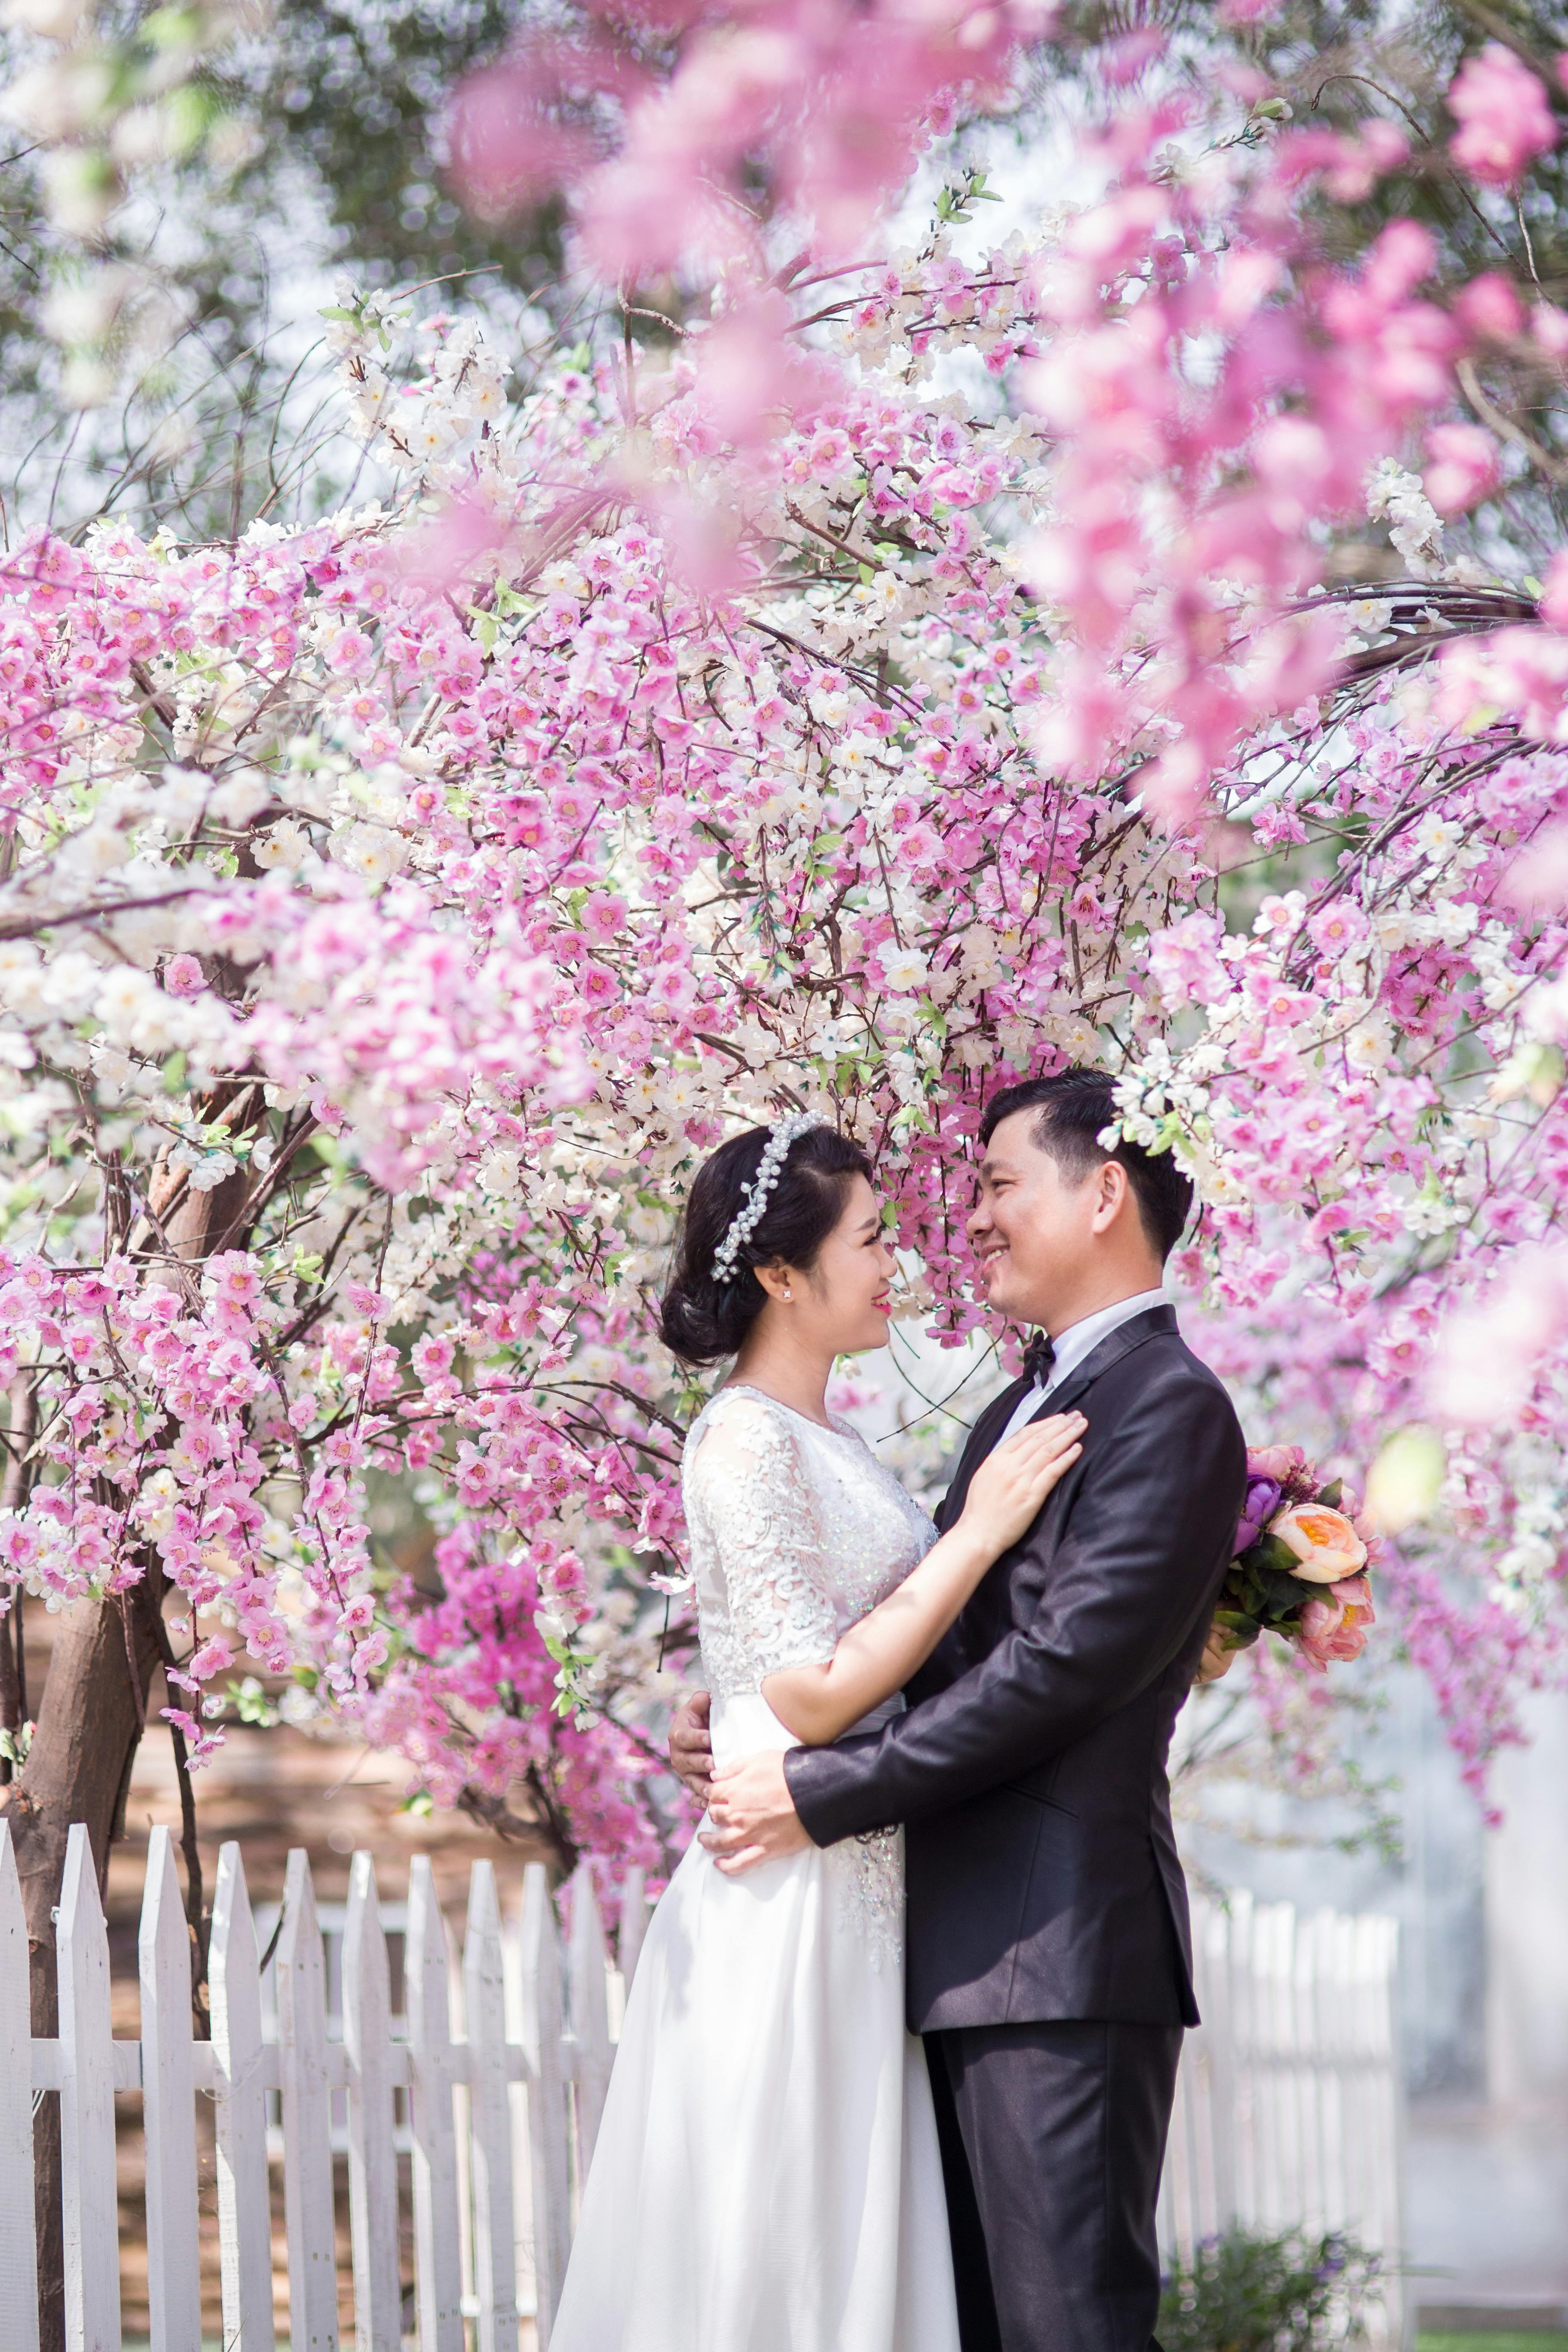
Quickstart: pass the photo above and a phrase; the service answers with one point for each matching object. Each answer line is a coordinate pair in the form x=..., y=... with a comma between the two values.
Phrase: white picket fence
x=493, y=2081
x=491, y=2189
x=1290, y=2109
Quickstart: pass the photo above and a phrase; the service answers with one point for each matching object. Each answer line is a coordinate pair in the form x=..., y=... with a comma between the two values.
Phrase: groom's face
x=1032, y=1226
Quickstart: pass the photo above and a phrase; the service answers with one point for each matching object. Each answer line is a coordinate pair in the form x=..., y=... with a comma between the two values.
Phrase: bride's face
x=843, y=1305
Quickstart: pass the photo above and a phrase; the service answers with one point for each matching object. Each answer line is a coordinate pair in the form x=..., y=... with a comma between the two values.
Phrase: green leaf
x=1286, y=1595
x=190, y=112
x=170, y=28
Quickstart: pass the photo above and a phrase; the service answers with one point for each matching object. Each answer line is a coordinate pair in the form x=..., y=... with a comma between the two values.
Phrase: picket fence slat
x=587, y=1994
x=457, y=1992
x=489, y=2103
x=1288, y=2110
x=18, y=2250
x=90, y=2209
x=307, y=2118
x=437, y=2245
x=168, y=2107
x=244, y=2205
x=542, y=2032
x=373, y=2159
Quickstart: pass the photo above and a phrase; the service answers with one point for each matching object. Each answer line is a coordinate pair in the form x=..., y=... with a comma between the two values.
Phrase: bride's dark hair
x=701, y=1320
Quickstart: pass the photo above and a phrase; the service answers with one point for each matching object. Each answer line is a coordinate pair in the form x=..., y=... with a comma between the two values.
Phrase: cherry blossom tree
x=924, y=669
x=1141, y=640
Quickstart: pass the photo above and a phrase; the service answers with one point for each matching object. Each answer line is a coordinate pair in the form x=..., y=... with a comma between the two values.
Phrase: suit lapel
x=1111, y=1348
x=978, y=1444
x=988, y=1429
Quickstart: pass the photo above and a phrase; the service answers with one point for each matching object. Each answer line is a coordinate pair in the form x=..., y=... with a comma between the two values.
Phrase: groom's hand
x=1219, y=1656
x=690, y=1745
x=752, y=1815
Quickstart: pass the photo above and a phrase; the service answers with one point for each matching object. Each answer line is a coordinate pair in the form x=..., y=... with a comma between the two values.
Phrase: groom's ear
x=1112, y=1194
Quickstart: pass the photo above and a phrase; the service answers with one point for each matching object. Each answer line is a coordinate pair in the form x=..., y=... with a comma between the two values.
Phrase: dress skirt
x=767, y=2176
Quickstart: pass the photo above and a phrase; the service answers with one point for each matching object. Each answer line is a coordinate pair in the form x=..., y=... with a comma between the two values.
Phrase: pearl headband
x=726, y=1257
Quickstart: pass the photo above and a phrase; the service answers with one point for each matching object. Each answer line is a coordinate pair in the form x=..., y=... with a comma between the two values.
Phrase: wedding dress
x=767, y=2176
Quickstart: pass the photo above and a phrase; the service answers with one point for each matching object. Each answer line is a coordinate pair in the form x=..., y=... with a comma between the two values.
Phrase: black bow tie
x=1039, y=1356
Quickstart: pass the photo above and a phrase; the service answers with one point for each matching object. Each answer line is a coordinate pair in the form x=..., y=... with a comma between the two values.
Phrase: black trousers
x=1053, y=2135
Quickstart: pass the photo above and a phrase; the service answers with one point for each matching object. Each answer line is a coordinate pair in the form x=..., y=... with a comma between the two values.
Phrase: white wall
x=1527, y=1915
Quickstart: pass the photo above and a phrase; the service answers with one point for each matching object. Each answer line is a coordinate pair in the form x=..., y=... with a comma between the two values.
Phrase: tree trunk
x=89, y=1720
x=77, y=1770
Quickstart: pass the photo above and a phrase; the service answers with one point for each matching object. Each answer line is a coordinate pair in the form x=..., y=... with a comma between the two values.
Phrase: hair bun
x=705, y=1317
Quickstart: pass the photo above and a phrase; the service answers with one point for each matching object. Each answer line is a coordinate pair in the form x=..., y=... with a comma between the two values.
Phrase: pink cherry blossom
x=183, y=976
x=1504, y=116
x=770, y=731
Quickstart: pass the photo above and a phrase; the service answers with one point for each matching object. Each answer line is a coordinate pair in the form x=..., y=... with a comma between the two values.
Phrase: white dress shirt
x=1073, y=1345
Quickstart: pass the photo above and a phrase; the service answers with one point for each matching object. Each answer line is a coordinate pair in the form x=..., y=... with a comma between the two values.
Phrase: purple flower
x=1262, y=1502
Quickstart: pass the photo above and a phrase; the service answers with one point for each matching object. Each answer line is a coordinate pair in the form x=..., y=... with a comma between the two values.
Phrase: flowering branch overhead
x=428, y=889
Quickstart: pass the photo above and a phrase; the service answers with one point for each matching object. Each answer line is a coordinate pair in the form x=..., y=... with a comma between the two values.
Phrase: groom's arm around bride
x=1058, y=1691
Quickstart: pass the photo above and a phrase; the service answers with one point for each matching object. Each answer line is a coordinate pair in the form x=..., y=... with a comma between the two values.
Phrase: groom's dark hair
x=1074, y=1107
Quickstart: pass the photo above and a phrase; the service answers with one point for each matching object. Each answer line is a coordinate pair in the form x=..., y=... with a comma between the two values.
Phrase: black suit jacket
x=1030, y=1769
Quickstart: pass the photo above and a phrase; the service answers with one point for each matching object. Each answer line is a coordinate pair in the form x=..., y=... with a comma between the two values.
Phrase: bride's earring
x=788, y=1297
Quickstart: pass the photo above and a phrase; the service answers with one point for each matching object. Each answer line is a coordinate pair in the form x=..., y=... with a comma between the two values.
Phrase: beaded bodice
x=797, y=1532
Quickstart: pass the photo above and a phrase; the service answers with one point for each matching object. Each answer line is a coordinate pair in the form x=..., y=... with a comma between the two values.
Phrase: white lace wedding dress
x=767, y=2176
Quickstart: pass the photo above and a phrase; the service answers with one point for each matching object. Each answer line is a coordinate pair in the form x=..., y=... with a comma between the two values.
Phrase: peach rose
x=1325, y=1544
x=1280, y=1463
x=1333, y=1626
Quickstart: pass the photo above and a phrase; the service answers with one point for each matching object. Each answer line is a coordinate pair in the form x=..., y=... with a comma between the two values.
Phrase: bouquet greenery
x=1299, y=1568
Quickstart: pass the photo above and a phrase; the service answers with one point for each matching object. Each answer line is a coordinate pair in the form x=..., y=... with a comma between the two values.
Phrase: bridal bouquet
x=1299, y=1568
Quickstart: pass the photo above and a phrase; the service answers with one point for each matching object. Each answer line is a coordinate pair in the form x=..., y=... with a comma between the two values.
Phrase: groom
x=1048, y=1952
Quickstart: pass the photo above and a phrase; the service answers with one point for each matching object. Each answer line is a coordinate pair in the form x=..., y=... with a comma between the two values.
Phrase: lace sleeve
x=750, y=1488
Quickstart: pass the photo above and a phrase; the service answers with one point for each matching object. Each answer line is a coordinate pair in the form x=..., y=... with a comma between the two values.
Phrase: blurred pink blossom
x=1504, y=116
x=1465, y=464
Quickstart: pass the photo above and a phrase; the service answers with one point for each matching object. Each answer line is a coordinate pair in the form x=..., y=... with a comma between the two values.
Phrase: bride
x=767, y=2176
